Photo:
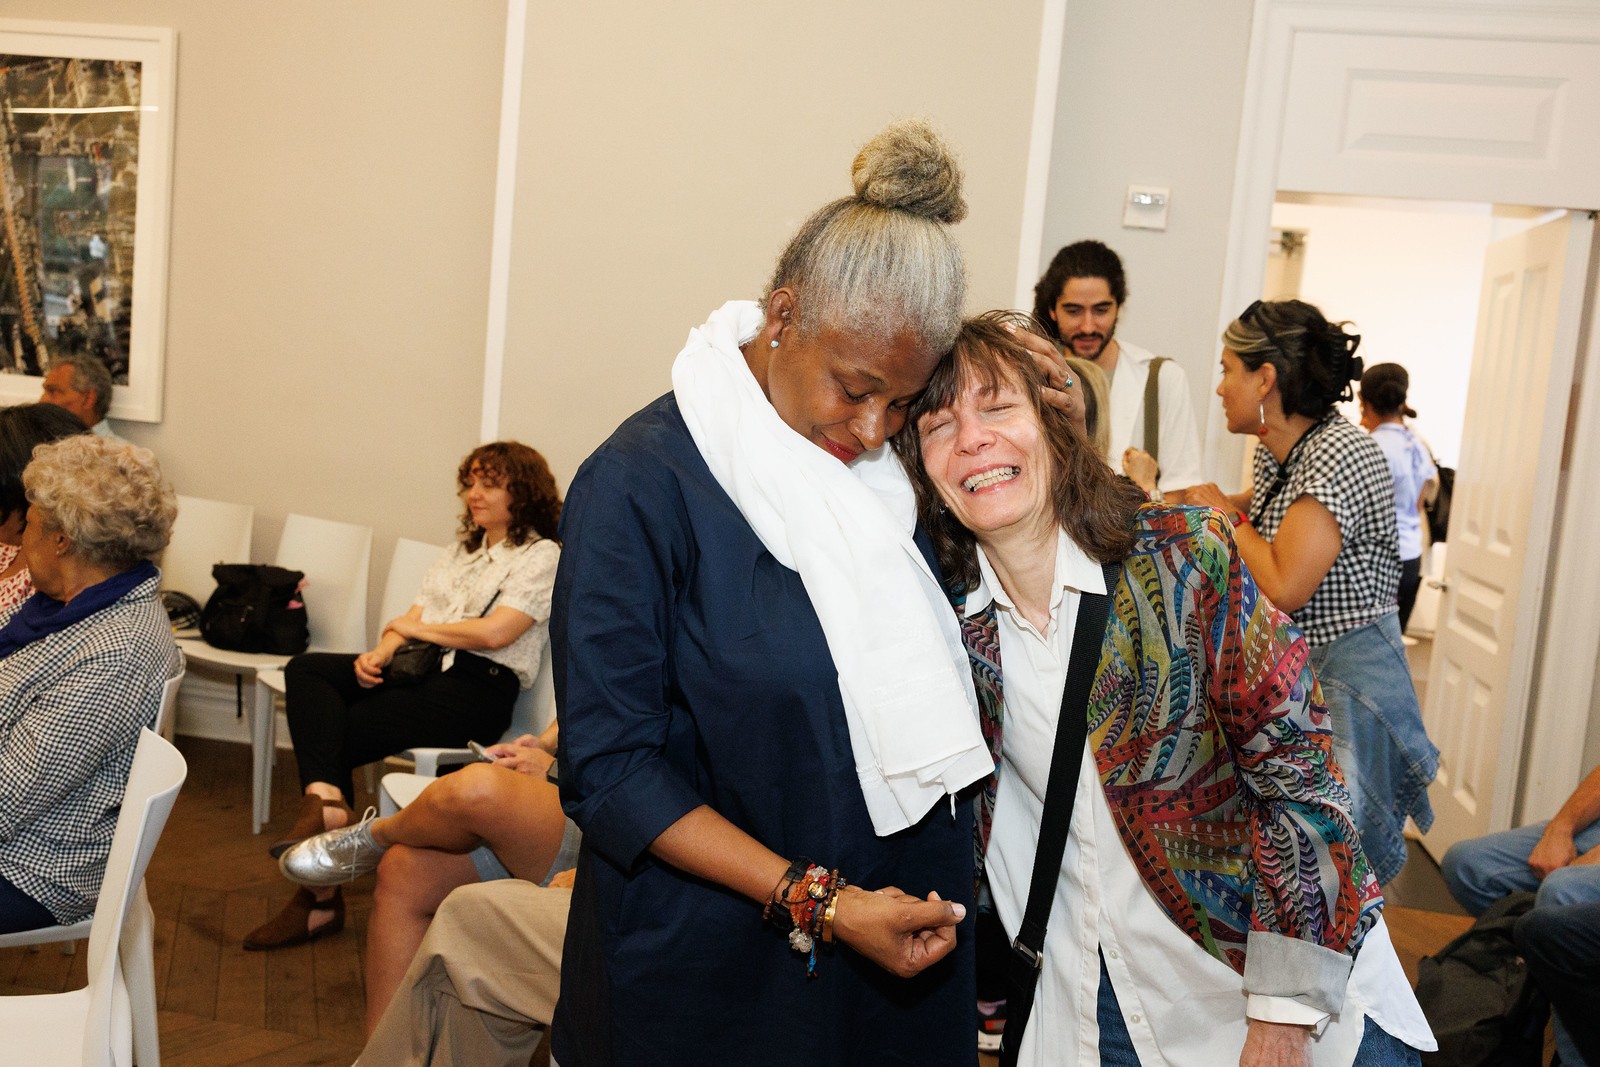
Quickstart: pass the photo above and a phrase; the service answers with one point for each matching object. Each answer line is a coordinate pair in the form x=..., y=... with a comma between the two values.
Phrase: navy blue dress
x=690, y=669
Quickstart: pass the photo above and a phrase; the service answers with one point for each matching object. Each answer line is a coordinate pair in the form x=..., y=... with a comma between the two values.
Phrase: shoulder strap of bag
x=1072, y=730
x=1152, y=409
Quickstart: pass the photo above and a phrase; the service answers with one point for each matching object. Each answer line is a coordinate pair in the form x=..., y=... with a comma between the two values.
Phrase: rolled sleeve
x=632, y=812
x=1279, y=1010
x=1287, y=968
x=626, y=548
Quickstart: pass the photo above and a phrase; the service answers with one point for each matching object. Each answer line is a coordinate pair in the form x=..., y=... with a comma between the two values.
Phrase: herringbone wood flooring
x=210, y=882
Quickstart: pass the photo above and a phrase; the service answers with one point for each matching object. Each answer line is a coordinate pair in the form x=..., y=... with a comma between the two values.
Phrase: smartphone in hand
x=481, y=752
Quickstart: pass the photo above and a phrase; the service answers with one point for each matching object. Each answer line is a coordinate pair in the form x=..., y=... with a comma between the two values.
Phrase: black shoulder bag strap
x=1072, y=730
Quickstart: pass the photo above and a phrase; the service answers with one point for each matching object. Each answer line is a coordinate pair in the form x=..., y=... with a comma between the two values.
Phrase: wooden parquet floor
x=210, y=882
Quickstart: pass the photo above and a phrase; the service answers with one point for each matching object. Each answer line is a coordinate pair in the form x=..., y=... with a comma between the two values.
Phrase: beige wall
x=331, y=209
x=666, y=157
x=333, y=203
x=1151, y=93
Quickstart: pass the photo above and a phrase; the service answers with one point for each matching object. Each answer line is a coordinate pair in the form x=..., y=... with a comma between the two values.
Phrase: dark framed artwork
x=85, y=188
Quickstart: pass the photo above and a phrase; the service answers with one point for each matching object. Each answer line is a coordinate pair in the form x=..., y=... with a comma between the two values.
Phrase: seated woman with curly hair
x=486, y=603
x=82, y=665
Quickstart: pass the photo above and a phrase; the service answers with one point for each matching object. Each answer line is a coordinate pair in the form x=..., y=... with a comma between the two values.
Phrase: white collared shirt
x=1181, y=1005
x=462, y=585
x=1178, y=434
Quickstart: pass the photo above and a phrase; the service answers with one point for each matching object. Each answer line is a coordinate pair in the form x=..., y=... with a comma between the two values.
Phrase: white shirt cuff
x=1284, y=1010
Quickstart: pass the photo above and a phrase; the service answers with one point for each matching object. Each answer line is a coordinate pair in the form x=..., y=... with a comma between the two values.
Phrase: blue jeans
x=1378, y=1047
x=1378, y=738
x=1481, y=871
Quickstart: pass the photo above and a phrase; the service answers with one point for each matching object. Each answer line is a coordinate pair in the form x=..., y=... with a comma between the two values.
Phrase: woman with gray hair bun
x=765, y=708
x=82, y=666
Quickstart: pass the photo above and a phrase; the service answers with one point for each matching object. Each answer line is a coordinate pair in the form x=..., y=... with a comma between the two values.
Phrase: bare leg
x=517, y=815
x=328, y=791
x=412, y=882
x=332, y=819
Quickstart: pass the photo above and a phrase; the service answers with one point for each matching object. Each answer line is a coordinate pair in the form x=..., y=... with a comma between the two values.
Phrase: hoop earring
x=1261, y=416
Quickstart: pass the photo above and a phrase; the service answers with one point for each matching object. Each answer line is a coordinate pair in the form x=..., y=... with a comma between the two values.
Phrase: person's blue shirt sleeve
x=625, y=550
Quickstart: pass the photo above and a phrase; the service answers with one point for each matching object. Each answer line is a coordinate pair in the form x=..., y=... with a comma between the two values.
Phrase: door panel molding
x=1554, y=755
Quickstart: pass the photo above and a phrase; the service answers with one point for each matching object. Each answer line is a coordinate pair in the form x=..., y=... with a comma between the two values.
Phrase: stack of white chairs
x=113, y=1019
x=406, y=569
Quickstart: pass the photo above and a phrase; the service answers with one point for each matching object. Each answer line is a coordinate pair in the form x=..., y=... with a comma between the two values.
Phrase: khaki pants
x=483, y=984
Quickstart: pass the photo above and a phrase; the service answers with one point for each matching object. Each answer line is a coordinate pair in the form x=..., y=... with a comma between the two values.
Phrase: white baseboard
x=207, y=708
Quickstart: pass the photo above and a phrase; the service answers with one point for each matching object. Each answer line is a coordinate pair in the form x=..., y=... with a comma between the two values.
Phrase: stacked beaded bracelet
x=802, y=906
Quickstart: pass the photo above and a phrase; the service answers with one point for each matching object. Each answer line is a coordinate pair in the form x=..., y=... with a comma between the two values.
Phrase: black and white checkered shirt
x=1344, y=469
x=71, y=706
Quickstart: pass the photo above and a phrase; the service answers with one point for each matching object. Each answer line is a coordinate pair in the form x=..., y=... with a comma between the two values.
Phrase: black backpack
x=1479, y=998
x=1437, y=510
x=256, y=608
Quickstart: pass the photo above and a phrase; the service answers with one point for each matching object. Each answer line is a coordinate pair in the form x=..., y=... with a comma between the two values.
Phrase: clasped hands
x=899, y=932
x=369, y=665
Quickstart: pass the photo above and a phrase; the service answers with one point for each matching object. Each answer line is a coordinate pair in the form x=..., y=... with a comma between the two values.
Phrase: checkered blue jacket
x=71, y=707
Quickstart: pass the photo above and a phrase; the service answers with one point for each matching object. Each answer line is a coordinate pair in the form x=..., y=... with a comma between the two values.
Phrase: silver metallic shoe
x=334, y=857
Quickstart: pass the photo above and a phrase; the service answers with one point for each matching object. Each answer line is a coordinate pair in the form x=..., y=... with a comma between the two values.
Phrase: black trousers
x=1410, y=582
x=338, y=726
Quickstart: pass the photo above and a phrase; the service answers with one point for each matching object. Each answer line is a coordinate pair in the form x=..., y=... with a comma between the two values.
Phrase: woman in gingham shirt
x=1317, y=530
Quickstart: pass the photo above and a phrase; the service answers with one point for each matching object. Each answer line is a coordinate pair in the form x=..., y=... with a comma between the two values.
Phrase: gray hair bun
x=908, y=167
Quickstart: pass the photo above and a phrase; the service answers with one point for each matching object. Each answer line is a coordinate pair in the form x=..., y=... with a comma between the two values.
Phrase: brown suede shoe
x=292, y=925
x=309, y=823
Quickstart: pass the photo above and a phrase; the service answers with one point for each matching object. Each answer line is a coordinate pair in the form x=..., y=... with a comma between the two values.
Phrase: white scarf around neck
x=847, y=531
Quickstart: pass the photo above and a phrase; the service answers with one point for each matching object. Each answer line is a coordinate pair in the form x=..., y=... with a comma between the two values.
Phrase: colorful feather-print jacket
x=1214, y=749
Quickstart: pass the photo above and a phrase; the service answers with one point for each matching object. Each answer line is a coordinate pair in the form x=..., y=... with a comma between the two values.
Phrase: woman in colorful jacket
x=1213, y=894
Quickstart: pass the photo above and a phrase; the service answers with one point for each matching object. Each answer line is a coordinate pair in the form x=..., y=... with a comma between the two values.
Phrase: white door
x=1501, y=524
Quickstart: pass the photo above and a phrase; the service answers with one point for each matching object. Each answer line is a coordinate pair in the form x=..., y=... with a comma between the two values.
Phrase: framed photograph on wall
x=85, y=190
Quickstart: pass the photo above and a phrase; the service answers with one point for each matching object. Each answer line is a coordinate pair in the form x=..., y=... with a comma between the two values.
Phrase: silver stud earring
x=773, y=343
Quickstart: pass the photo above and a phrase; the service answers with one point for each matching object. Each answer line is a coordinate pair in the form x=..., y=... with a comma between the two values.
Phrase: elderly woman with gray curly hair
x=82, y=665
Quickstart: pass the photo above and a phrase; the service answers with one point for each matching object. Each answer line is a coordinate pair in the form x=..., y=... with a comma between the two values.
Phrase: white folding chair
x=207, y=532
x=407, y=567
x=167, y=717
x=335, y=557
x=113, y=1019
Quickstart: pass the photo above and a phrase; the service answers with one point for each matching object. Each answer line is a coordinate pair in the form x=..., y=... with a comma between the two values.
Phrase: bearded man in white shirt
x=1078, y=301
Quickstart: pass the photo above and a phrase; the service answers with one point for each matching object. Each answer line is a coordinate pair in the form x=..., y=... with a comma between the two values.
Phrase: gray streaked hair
x=89, y=375
x=109, y=499
x=883, y=260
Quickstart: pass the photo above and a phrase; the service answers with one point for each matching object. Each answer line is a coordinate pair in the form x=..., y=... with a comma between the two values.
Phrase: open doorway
x=1484, y=306
x=1408, y=274
x=1446, y=101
